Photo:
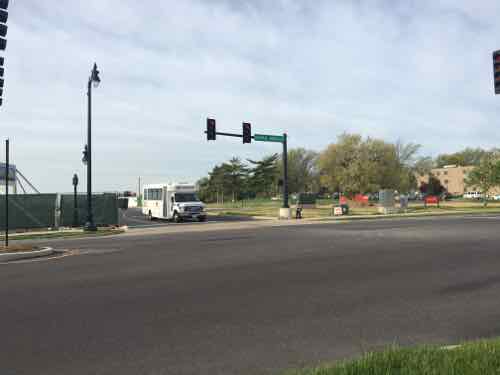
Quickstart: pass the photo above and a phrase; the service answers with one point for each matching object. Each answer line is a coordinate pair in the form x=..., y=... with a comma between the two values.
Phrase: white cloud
x=419, y=71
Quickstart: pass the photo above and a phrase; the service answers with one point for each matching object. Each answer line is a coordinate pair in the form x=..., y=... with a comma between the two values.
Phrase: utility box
x=386, y=202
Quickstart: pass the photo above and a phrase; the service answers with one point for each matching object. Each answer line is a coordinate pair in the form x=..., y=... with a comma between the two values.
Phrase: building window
x=445, y=173
x=446, y=182
x=438, y=173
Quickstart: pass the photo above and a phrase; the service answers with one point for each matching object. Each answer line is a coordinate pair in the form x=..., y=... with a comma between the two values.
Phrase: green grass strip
x=473, y=358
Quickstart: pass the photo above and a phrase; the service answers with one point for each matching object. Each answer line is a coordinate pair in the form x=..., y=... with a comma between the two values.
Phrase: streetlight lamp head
x=95, y=76
x=85, y=157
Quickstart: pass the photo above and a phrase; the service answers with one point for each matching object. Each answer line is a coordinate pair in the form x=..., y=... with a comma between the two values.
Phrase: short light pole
x=94, y=80
x=75, y=202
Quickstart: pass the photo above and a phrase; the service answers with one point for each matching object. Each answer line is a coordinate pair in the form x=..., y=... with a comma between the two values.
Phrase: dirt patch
x=17, y=248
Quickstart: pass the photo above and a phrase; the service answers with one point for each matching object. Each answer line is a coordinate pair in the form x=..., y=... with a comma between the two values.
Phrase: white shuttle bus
x=176, y=201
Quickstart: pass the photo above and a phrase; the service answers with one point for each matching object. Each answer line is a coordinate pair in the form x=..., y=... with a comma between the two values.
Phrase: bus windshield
x=186, y=197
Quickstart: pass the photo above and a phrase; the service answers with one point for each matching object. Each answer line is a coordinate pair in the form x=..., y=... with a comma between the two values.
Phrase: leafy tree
x=486, y=175
x=263, y=175
x=354, y=165
x=341, y=166
x=302, y=170
x=236, y=172
x=423, y=165
x=466, y=157
x=204, y=191
x=433, y=187
x=406, y=159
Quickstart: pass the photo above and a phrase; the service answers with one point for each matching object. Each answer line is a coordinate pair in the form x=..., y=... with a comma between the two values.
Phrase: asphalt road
x=134, y=218
x=250, y=301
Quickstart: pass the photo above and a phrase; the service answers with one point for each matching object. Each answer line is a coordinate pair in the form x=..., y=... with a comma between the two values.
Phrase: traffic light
x=496, y=71
x=4, y=15
x=211, y=133
x=247, y=132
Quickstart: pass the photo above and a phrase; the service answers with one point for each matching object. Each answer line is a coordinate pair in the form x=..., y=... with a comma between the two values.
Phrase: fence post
x=57, y=212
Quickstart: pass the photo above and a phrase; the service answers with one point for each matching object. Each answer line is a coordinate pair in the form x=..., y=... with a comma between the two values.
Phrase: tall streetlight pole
x=94, y=80
x=7, y=166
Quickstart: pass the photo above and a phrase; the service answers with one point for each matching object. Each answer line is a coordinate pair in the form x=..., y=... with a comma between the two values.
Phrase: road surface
x=134, y=218
x=250, y=301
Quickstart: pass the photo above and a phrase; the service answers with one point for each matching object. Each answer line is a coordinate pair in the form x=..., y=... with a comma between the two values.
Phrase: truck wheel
x=202, y=218
x=177, y=218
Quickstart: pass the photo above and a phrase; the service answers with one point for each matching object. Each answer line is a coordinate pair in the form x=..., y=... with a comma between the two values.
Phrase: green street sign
x=268, y=138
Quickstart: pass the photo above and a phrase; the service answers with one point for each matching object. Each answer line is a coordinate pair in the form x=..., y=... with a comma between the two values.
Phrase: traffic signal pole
x=247, y=138
x=285, y=172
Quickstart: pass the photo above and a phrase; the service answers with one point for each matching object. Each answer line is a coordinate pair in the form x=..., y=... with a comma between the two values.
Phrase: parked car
x=472, y=195
x=496, y=197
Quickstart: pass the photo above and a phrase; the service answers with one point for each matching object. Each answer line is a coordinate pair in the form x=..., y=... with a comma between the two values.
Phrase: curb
x=7, y=257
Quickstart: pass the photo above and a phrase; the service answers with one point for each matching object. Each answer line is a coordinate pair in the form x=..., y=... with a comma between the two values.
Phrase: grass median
x=473, y=358
x=268, y=208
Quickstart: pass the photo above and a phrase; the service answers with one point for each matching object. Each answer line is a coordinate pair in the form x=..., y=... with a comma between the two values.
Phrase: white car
x=496, y=197
x=473, y=195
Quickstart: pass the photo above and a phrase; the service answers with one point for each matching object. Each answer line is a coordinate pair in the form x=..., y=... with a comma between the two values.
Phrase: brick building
x=452, y=177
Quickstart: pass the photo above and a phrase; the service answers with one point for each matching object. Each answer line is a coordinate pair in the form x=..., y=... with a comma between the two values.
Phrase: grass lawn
x=268, y=208
x=17, y=248
x=473, y=358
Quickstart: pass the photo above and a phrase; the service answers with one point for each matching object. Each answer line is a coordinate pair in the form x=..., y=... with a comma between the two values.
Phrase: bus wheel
x=150, y=216
x=177, y=218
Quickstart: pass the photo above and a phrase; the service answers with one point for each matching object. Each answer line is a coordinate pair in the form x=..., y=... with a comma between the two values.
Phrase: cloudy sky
x=419, y=71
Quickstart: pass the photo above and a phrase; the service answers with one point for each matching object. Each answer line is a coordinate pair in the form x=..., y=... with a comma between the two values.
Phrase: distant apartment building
x=452, y=178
